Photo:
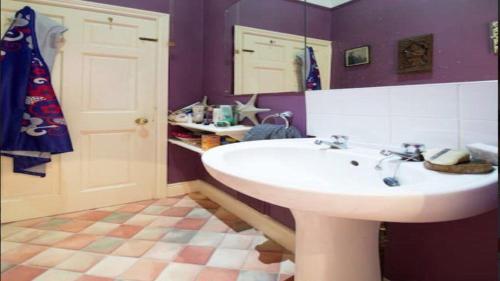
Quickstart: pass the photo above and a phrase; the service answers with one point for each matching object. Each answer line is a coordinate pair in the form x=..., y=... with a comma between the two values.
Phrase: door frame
x=162, y=73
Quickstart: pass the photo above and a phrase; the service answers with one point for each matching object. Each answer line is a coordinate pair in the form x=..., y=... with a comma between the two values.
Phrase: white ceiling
x=327, y=3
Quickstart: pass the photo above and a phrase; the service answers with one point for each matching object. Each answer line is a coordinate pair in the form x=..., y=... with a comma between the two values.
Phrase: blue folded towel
x=271, y=131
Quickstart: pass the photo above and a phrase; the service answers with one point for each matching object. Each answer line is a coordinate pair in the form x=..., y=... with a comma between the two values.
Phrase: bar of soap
x=450, y=157
x=481, y=151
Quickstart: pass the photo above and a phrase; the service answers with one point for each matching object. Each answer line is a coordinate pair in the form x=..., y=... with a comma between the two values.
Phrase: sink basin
x=338, y=199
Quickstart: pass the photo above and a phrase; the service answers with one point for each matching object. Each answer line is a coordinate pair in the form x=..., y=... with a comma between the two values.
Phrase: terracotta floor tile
x=180, y=272
x=185, y=238
x=215, y=225
x=165, y=222
x=218, y=274
x=117, y=217
x=50, y=257
x=77, y=241
x=22, y=273
x=125, y=231
x=112, y=266
x=22, y=253
x=7, y=246
x=141, y=219
x=191, y=224
x=25, y=235
x=256, y=275
x=195, y=255
x=199, y=213
x=100, y=228
x=50, y=238
x=133, y=248
x=104, y=245
x=164, y=251
x=94, y=215
x=75, y=225
x=52, y=224
x=228, y=258
x=93, y=278
x=58, y=275
x=131, y=208
x=144, y=270
x=177, y=211
x=5, y=266
x=80, y=262
x=180, y=236
x=154, y=210
x=7, y=230
x=152, y=233
x=237, y=241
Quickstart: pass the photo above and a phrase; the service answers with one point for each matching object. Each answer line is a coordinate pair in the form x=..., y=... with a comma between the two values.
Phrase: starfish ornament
x=249, y=110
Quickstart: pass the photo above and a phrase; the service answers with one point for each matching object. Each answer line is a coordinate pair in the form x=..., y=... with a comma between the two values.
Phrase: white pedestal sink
x=338, y=199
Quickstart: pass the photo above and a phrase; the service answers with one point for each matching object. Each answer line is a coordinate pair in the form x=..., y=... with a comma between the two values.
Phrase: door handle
x=141, y=121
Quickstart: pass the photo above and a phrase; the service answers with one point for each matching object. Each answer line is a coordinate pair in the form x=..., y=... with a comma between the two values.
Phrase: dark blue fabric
x=313, y=80
x=32, y=119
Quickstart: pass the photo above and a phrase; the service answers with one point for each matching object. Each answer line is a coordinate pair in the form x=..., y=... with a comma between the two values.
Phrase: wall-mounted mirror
x=266, y=42
x=384, y=43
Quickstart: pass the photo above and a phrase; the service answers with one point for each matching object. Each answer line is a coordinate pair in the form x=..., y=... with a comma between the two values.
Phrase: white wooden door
x=105, y=77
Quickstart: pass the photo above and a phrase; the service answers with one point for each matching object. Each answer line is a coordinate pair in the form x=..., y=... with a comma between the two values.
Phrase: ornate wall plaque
x=415, y=54
x=494, y=36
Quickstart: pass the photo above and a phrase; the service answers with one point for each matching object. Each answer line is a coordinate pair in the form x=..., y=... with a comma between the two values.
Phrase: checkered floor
x=187, y=238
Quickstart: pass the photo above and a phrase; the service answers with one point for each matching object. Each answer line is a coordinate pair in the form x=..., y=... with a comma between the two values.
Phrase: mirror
x=265, y=45
x=385, y=43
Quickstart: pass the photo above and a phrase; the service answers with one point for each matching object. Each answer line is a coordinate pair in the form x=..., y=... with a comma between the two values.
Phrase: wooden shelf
x=186, y=145
x=236, y=132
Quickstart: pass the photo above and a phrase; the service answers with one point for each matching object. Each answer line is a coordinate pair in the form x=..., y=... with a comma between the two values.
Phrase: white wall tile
x=433, y=132
x=430, y=100
x=359, y=101
x=479, y=101
x=438, y=115
x=370, y=129
x=473, y=131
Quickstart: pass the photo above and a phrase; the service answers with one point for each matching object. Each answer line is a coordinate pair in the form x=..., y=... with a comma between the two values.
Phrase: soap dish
x=472, y=167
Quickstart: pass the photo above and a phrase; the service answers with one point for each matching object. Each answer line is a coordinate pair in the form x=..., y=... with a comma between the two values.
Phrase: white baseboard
x=182, y=188
x=271, y=228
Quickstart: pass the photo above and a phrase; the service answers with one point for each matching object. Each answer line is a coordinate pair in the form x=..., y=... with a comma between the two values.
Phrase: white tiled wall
x=438, y=115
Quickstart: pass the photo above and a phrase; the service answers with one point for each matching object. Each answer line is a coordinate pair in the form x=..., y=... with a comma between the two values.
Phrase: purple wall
x=460, y=250
x=461, y=44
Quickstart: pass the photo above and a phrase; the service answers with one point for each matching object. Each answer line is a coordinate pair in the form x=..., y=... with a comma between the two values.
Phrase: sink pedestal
x=335, y=249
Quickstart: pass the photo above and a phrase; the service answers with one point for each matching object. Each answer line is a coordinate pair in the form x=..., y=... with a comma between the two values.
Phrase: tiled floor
x=188, y=238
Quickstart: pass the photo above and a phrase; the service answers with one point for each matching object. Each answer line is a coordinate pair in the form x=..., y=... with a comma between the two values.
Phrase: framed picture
x=357, y=56
x=415, y=54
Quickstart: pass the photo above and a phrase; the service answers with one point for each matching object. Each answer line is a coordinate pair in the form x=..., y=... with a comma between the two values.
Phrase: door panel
x=105, y=78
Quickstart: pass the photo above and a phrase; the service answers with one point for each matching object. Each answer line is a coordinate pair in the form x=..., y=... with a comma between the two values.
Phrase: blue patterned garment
x=32, y=126
x=313, y=80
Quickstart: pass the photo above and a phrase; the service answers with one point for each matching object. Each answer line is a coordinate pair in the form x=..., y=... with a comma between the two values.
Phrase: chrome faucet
x=412, y=153
x=337, y=142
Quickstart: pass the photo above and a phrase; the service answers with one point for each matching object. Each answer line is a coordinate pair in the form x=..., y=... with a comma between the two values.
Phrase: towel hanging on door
x=313, y=80
x=32, y=126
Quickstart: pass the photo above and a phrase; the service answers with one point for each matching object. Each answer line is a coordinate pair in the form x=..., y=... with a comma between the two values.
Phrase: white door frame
x=162, y=72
